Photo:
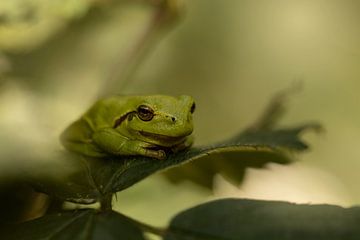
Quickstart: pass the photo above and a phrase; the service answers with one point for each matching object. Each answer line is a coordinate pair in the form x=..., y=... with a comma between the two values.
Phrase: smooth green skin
x=95, y=134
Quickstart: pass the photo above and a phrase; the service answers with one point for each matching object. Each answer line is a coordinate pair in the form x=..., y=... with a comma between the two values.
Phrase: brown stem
x=166, y=12
x=106, y=202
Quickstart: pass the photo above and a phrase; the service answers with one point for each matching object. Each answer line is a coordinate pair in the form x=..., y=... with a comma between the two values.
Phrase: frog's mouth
x=162, y=138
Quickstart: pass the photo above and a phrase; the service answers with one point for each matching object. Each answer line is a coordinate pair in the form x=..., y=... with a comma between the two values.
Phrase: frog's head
x=158, y=119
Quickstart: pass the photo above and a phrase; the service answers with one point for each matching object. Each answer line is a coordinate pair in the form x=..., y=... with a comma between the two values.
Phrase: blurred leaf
x=80, y=224
x=25, y=24
x=232, y=219
x=231, y=166
x=92, y=178
x=67, y=178
x=18, y=202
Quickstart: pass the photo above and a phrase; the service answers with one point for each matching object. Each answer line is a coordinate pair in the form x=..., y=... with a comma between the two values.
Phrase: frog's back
x=104, y=112
x=78, y=136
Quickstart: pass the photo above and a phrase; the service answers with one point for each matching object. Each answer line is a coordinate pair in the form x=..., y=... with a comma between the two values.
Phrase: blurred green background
x=57, y=57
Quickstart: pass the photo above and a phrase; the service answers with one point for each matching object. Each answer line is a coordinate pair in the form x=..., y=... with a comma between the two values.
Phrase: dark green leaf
x=67, y=178
x=91, y=178
x=231, y=165
x=81, y=224
x=237, y=219
x=133, y=170
x=262, y=133
x=96, y=177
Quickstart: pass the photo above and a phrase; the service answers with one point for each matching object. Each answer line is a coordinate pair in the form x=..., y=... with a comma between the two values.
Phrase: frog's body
x=132, y=125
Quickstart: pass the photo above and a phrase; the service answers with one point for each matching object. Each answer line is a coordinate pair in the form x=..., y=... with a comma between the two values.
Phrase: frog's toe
x=162, y=154
x=158, y=154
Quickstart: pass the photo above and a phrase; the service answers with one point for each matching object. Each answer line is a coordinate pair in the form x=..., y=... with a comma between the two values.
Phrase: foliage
x=90, y=180
x=99, y=177
x=252, y=219
x=25, y=24
x=226, y=219
x=81, y=224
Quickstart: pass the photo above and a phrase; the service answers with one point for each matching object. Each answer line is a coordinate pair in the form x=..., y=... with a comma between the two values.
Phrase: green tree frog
x=148, y=126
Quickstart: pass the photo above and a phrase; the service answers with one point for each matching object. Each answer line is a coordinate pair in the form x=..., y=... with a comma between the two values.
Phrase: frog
x=137, y=125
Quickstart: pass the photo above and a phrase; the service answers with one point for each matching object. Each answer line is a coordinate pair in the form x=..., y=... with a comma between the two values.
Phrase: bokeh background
x=58, y=56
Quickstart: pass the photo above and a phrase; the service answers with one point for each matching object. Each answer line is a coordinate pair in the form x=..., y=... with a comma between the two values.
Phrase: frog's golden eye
x=192, y=109
x=145, y=113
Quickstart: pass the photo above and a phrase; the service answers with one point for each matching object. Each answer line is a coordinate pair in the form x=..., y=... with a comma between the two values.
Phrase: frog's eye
x=192, y=109
x=145, y=113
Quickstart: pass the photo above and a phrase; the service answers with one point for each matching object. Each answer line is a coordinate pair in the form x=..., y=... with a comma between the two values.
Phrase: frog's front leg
x=114, y=143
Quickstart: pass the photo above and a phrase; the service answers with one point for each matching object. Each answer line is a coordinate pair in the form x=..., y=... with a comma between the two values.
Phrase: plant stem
x=106, y=202
x=166, y=12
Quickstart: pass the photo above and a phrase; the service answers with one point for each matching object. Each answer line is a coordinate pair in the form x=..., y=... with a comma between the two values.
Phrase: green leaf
x=273, y=145
x=133, y=170
x=82, y=224
x=68, y=177
x=231, y=219
x=92, y=178
x=89, y=179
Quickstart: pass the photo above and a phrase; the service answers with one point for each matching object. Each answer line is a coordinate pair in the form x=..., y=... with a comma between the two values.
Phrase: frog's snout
x=172, y=118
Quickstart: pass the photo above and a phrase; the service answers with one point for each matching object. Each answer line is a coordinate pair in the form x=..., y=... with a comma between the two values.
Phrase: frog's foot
x=155, y=153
